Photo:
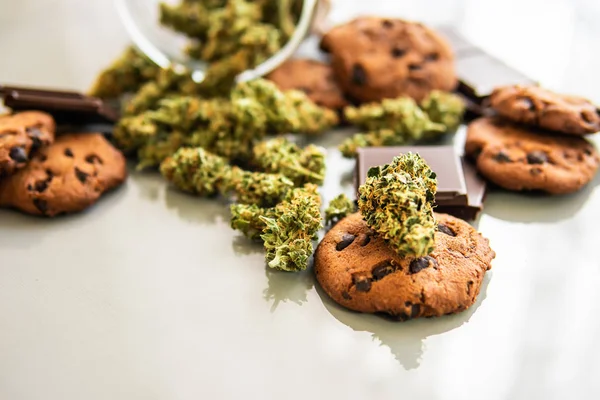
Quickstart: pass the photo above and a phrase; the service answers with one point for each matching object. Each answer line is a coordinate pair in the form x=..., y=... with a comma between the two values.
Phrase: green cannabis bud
x=379, y=138
x=400, y=121
x=338, y=208
x=125, y=75
x=281, y=156
x=444, y=108
x=232, y=36
x=288, y=237
x=246, y=218
x=397, y=203
x=196, y=171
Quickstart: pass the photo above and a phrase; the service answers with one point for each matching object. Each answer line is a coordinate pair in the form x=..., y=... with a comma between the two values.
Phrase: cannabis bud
x=288, y=238
x=338, y=208
x=281, y=156
x=126, y=74
x=444, y=108
x=287, y=230
x=197, y=171
x=400, y=121
x=397, y=203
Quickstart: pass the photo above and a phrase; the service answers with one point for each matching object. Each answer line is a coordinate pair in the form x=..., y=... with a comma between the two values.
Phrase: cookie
x=20, y=135
x=541, y=107
x=376, y=58
x=68, y=176
x=360, y=271
x=517, y=157
x=314, y=78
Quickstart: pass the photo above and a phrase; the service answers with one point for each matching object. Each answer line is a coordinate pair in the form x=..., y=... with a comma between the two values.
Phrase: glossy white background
x=150, y=295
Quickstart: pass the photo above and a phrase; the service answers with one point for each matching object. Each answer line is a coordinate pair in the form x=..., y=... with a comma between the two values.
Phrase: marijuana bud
x=288, y=236
x=197, y=171
x=246, y=218
x=338, y=208
x=400, y=121
x=281, y=156
x=444, y=108
x=397, y=203
x=126, y=74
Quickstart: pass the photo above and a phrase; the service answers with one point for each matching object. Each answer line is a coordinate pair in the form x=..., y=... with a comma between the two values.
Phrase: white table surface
x=150, y=294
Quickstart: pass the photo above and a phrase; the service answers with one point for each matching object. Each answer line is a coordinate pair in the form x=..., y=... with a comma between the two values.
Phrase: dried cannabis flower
x=246, y=218
x=397, y=203
x=126, y=74
x=233, y=35
x=444, y=108
x=197, y=171
x=400, y=121
x=287, y=230
x=281, y=156
x=288, y=238
x=227, y=127
x=338, y=208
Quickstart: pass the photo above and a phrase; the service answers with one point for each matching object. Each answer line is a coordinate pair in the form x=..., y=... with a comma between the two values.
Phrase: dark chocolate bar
x=479, y=72
x=460, y=190
x=476, y=189
x=66, y=107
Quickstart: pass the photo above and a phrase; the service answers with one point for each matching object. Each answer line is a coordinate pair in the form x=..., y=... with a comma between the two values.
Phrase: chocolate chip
x=419, y=264
x=42, y=157
x=82, y=176
x=347, y=240
x=362, y=283
x=50, y=174
x=383, y=269
x=386, y=23
x=587, y=117
x=359, y=75
x=502, y=157
x=41, y=205
x=414, y=67
x=587, y=151
x=346, y=296
x=68, y=153
x=18, y=154
x=35, y=135
x=29, y=187
x=366, y=240
x=527, y=103
x=476, y=153
x=92, y=159
x=444, y=229
x=398, y=53
x=415, y=310
x=469, y=286
x=537, y=157
x=535, y=171
x=41, y=186
x=432, y=57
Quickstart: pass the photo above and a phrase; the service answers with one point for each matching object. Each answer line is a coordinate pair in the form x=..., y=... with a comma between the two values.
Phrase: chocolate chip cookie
x=20, y=135
x=517, y=157
x=541, y=107
x=314, y=78
x=376, y=58
x=68, y=176
x=360, y=271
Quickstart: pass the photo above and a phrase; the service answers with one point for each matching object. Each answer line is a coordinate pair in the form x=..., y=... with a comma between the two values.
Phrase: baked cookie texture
x=66, y=177
x=376, y=58
x=518, y=157
x=360, y=271
x=20, y=135
x=543, y=108
x=312, y=77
